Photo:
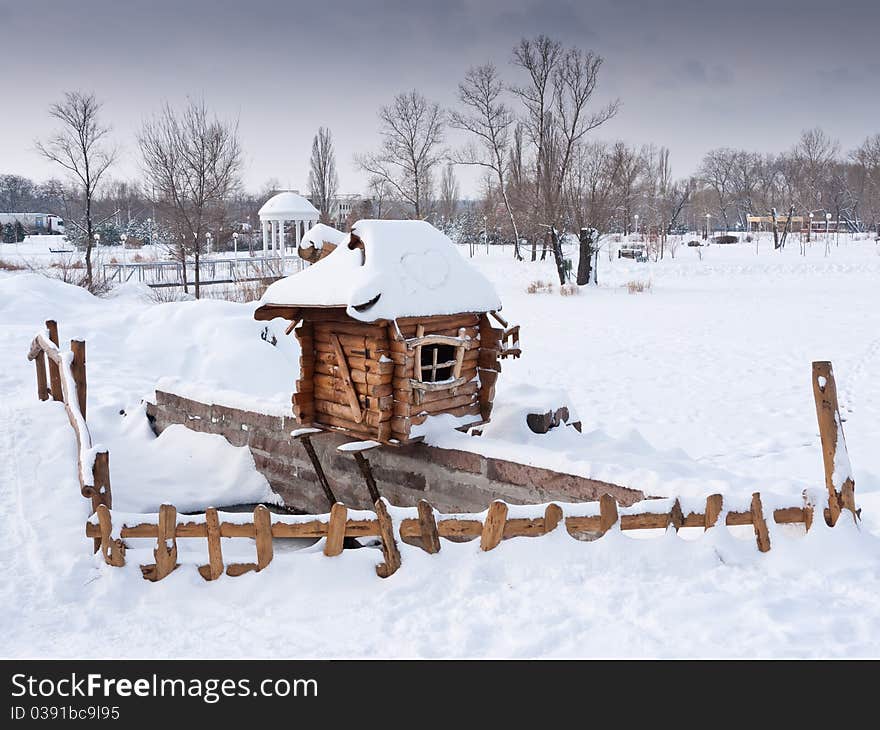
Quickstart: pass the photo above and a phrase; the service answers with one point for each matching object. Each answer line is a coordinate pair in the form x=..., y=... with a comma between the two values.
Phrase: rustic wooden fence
x=423, y=525
x=66, y=383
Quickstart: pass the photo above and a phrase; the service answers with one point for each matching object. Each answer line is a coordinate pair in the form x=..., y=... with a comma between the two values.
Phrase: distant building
x=342, y=207
x=36, y=223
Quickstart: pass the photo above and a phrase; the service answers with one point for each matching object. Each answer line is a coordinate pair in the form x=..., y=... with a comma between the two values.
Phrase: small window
x=437, y=363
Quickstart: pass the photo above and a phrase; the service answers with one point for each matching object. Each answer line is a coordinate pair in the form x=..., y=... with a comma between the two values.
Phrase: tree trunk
x=198, y=280
x=534, y=250
x=557, y=255
x=89, y=240
x=585, y=256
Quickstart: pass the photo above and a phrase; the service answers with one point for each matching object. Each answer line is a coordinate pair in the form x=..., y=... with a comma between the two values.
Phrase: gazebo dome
x=283, y=211
x=289, y=206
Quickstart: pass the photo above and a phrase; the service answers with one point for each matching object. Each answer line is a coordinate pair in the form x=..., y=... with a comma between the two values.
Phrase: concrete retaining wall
x=453, y=481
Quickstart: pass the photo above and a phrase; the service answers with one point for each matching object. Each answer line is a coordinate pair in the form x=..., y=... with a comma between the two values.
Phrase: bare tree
x=488, y=118
x=192, y=161
x=718, y=172
x=80, y=147
x=412, y=132
x=448, y=192
x=323, y=181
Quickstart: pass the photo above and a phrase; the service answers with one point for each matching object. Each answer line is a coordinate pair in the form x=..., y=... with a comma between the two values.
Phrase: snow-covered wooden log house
x=394, y=325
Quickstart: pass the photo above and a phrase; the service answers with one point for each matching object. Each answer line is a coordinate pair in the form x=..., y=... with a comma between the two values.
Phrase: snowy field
x=700, y=385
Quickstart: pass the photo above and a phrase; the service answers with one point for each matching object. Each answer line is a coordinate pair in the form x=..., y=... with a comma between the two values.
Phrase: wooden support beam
x=101, y=479
x=54, y=369
x=762, y=536
x=336, y=530
x=367, y=472
x=390, y=551
x=78, y=371
x=353, y=402
x=831, y=435
x=493, y=526
x=214, y=569
x=112, y=550
x=166, y=548
x=608, y=515
x=714, y=504
x=306, y=441
x=42, y=386
x=428, y=527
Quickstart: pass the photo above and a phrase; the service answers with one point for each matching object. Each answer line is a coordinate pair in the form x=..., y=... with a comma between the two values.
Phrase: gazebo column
x=281, y=236
x=265, y=225
x=298, y=234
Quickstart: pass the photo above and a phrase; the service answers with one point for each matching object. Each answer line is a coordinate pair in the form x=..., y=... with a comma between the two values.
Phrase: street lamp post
x=235, y=244
x=708, y=216
x=208, y=242
x=810, y=229
x=123, y=237
x=636, y=219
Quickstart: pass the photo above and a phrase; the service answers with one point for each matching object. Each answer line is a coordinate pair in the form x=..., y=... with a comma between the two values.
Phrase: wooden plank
x=459, y=356
x=390, y=551
x=165, y=553
x=493, y=527
x=336, y=530
x=101, y=481
x=417, y=356
x=112, y=550
x=428, y=527
x=42, y=386
x=263, y=536
x=830, y=431
x=607, y=513
x=54, y=369
x=762, y=535
x=446, y=404
x=353, y=401
x=465, y=319
x=714, y=505
x=214, y=569
x=78, y=371
x=676, y=518
x=552, y=517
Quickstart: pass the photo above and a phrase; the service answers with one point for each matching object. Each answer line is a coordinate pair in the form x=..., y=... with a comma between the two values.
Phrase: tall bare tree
x=323, y=181
x=488, y=118
x=448, y=192
x=192, y=160
x=412, y=132
x=80, y=147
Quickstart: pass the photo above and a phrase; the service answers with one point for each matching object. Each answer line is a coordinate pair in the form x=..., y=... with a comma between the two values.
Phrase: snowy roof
x=403, y=269
x=289, y=206
x=319, y=234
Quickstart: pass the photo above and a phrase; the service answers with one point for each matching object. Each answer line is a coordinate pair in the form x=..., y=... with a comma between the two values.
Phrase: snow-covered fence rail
x=67, y=384
x=423, y=526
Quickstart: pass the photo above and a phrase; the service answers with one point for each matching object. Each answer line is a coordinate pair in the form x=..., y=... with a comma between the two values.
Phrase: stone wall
x=453, y=481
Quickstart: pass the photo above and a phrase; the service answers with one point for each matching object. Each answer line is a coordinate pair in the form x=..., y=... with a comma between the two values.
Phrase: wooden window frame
x=420, y=340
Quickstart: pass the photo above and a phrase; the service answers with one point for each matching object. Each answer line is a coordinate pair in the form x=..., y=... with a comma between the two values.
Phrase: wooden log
x=344, y=424
x=165, y=553
x=214, y=569
x=263, y=536
x=714, y=504
x=831, y=435
x=112, y=550
x=78, y=371
x=367, y=473
x=390, y=551
x=353, y=401
x=324, y=406
x=676, y=518
x=466, y=319
x=101, y=494
x=54, y=369
x=493, y=527
x=428, y=527
x=42, y=386
x=306, y=441
x=552, y=517
x=446, y=404
x=762, y=535
x=607, y=513
x=336, y=530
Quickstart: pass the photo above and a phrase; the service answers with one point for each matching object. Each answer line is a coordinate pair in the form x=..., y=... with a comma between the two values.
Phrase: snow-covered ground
x=700, y=385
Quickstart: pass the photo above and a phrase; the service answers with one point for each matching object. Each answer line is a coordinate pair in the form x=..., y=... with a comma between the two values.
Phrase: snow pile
x=405, y=269
x=319, y=234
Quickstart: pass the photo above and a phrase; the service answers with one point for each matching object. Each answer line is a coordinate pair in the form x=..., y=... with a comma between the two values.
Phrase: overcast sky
x=691, y=75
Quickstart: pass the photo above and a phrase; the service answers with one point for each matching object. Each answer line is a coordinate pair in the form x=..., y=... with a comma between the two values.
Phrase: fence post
x=78, y=371
x=214, y=569
x=714, y=504
x=608, y=515
x=833, y=442
x=493, y=527
x=112, y=550
x=390, y=550
x=101, y=477
x=428, y=527
x=762, y=535
x=54, y=371
x=166, y=547
x=336, y=530
x=42, y=387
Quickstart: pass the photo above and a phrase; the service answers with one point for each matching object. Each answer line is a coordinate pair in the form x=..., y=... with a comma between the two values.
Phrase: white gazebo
x=288, y=207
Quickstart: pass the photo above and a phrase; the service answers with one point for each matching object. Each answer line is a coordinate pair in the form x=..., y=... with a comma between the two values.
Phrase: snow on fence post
x=78, y=371
x=54, y=369
x=838, y=477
